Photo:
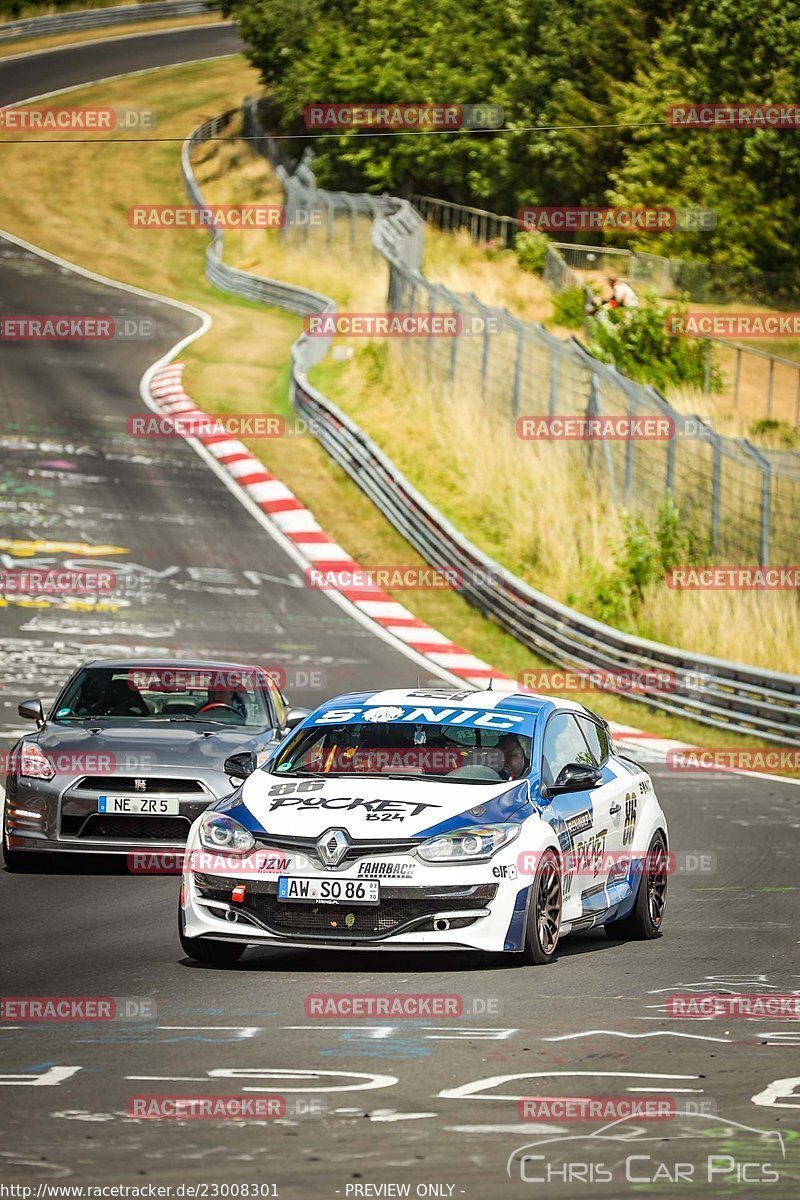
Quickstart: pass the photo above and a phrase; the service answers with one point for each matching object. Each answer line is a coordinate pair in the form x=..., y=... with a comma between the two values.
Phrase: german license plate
x=149, y=806
x=306, y=888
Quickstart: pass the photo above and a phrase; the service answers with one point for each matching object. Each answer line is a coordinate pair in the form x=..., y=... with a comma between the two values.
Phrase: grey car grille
x=127, y=828
x=127, y=784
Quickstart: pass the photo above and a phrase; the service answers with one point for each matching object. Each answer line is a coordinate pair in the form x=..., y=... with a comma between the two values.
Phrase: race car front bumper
x=476, y=907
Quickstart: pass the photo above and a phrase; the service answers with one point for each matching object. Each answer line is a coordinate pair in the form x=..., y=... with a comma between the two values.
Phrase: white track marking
x=567, y=1037
x=473, y=1091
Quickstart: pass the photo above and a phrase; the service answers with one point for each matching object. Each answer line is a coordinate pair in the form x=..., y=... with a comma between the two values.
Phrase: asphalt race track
x=427, y=1103
x=51, y=70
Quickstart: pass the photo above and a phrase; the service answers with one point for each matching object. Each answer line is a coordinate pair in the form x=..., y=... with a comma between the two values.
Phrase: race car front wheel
x=544, y=913
x=648, y=913
x=204, y=950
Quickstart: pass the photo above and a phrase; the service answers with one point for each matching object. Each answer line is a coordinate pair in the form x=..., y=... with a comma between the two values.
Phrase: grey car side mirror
x=294, y=716
x=31, y=710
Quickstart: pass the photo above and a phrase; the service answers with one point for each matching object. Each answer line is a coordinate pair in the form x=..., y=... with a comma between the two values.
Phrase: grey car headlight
x=467, y=845
x=32, y=763
x=220, y=832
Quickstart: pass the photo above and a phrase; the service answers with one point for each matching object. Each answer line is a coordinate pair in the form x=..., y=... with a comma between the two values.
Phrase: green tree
x=720, y=51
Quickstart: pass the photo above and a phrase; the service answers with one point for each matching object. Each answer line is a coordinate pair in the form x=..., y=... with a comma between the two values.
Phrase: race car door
x=593, y=819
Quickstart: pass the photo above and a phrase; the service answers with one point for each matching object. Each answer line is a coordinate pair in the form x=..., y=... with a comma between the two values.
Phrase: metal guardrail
x=229, y=279
x=723, y=694
x=97, y=18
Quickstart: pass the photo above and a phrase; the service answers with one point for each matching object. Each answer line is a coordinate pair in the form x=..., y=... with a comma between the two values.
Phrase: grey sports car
x=131, y=752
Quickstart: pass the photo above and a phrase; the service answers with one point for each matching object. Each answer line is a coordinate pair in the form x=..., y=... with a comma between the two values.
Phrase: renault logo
x=333, y=846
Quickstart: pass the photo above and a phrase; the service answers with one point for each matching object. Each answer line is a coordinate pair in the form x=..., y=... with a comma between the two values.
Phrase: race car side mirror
x=576, y=777
x=294, y=716
x=239, y=766
x=31, y=710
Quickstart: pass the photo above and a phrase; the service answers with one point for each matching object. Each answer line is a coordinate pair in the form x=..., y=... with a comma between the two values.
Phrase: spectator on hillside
x=622, y=294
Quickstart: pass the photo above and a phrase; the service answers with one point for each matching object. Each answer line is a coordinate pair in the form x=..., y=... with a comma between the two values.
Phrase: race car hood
x=141, y=747
x=372, y=808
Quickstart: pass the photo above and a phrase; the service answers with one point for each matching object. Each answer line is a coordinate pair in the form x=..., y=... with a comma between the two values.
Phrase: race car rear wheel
x=648, y=913
x=544, y=912
x=204, y=950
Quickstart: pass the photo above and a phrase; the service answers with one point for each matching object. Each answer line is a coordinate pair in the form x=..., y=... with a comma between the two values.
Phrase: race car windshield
x=447, y=753
x=216, y=695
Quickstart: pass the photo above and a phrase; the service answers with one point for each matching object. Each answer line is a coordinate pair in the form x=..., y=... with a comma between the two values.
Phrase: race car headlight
x=220, y=832
x=32, y=762
x=467, y=845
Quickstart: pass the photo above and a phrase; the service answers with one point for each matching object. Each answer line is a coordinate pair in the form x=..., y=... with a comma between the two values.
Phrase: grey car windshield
x=222, y=695
x=429, y=751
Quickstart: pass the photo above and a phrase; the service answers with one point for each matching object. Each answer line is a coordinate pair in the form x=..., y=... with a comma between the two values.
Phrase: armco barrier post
x=630, y=447
x=517, y=369
x=707, y=371
x=737, y=377
x=765, y=527
x=716, y=491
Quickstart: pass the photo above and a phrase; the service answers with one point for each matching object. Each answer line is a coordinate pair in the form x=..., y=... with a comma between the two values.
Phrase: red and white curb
x=299, y=525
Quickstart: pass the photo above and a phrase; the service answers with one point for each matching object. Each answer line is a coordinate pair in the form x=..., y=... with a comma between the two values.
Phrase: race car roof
x=442, y=699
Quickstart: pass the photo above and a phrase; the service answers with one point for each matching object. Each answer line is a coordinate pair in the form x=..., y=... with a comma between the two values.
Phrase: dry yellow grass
x=462, y=265
x=740, y=422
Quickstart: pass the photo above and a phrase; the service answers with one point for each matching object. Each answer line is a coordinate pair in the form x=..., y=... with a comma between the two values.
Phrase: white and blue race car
x=429, y=820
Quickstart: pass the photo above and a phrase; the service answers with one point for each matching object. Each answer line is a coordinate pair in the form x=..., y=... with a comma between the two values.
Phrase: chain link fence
x=767, y=384
x=742, y=502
